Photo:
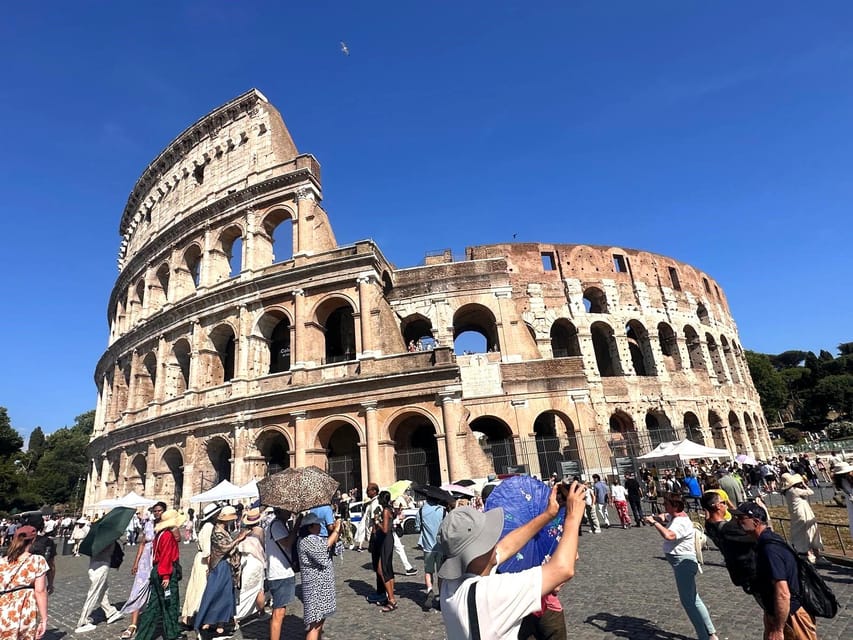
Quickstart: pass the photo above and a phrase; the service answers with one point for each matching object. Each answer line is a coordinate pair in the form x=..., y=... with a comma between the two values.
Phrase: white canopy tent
x=134, y=500
x=226, y=490
x=683, y=450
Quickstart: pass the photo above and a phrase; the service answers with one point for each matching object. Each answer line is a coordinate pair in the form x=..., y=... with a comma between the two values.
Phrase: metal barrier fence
x=824, y=527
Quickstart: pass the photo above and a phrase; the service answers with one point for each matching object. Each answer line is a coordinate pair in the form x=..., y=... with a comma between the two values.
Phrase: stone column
x=299, y=437
x=244, y=321
x=196, y=366
x=364, y=308
x=297, y=349
x=133, y=386
x=105, y=473
x=451, y=415
x=162, y=370
x=238, y=470
x=305, y=215
x=441, y=446
x=371, y=429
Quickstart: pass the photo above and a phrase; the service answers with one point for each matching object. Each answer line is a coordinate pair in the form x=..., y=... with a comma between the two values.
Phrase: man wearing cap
x=777, y=582
x=737, y=546
x=476, y=601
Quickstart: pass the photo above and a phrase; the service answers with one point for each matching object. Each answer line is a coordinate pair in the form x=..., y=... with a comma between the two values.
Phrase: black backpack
x=117, y=556
x=815, y=595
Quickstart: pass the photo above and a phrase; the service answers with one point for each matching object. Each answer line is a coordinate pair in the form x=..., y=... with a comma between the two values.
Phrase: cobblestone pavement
x=623, y=589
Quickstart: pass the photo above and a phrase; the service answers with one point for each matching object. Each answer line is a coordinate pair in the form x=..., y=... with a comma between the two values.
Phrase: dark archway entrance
x=416, y=451
x=498, y=442
x=343, y=456
x=276, y=452
x=219, y=453
x=174, y=462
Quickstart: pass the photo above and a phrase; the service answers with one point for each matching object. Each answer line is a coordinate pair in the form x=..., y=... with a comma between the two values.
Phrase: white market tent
x=225, y=490
x=134, y=500
x=683, y=450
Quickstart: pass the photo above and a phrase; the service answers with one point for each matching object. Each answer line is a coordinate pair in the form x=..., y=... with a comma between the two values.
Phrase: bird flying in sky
x=344, y=48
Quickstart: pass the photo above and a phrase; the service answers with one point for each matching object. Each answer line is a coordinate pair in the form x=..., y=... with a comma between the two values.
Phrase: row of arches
x=595, y=301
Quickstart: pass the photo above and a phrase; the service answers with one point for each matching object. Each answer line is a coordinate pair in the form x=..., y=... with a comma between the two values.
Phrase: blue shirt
x=693, y=484
x=429, y=519
x=327, y=517
x=601, y=492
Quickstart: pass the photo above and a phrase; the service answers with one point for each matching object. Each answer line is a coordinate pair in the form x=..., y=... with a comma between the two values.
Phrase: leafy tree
x=832, y=394
x=846, y=348
x=792, y=435
x=36, y=443
x=826, y=356
x=768, y=382
x=64, y=461
x=10, y=440
x=788, y=359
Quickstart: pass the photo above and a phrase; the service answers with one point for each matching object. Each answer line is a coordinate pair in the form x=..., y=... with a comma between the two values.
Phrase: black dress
x=383, y=550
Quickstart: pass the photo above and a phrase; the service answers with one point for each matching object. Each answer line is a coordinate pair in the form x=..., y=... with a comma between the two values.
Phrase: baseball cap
x=751, y=510
x=311, y=518
x=466, y=534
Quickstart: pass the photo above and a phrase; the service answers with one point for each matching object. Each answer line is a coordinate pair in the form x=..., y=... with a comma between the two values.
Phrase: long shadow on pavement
x=631, y=627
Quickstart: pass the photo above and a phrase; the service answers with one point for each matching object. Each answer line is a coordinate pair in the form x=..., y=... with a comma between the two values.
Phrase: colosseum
x=243, y=339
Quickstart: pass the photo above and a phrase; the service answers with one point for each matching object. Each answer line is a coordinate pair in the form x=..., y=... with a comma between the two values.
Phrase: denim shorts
x=283, y=592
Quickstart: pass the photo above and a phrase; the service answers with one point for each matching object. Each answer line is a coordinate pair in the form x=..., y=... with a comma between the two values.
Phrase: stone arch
x=275, y=448
x=715, y=422
x=716, y=359
x=387, y=283
x=341, y=439
x=564, y=339
x=219, y=456
x=606, y=350
x=737, y=432
x=162, y=276
x=192, y=265
x=221, y=363
x=139, y=470
x=178, y=370
x=227, y=256
x=146, y=379
x=702, y=314
x=595, y=300
x=640, y=348
x=556, y=442
x=475, y=319
x=659, y=427
x=275, y=328
x=730, y=360
x=415, y=447
x=336, y=316
x=668, y=342
x=692, y=428
x=417, y=332
x=277, y=242
x=497, y=441
x=172, y=486
x=694, y=349
x=624, y=441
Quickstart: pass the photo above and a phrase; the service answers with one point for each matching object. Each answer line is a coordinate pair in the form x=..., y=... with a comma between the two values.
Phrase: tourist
x=620, y=501
x=99, y=591
x=23, y=575
x=777, y=581
x=429, y=519
x=141, y=571
x=163, y=595
x=43, y=545
x=218, y=605
x=318, y=573
x=364, y=529
x=253, y=563
x=737, y=547
x=635, y=498
x=843, y=477
x=382, y=552
x=81, y=530
x=472, y=546
x=602, y=499
x=805, y=534
x=652, y=494
x=589, y=508
x=680, y=551
x=188, y=528
x=732, y=486
x=131, y=532
x=198, y=575
x=282, y=579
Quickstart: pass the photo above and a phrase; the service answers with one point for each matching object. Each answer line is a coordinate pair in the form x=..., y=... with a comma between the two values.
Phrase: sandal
x=391, y=606
x=128, y=633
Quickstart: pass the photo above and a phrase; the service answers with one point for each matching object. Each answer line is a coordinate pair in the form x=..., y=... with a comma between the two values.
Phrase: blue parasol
x=522, y=499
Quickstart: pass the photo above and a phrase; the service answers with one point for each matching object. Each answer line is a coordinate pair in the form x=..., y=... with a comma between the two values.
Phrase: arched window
x=564, y=339
x=219, y=454
x=192, y=263
x=623, y=436
x=669, y=347
x=147, y=380
x=730, y=360
x=606, y=352
x=280, y=347
x=595, y=300
x=416, y=450
x=340, y=335
x=694, y=349
x=277, y=243
x=692, y=428
x=702, y=312
x=163, y=282
x=179, y=370
x=640, y=348
x=659, y=428
x=716, y=359
x=496, y=440
x=417, y=332
x=275, y=450
x=480, y=321
x=174, y=480
x=222, y=369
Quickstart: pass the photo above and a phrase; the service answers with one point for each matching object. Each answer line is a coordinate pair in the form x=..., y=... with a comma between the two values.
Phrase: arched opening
x=174, y=481
x=387, y=284
x=235, y=257
x=692, y=428
x=159, y=293
x=659, y=428
x=179, y=369
x=342, y=454
x=192, y=263
x=737, y=432
x=275, y=450
x=219, y=454
x=623, y=436
x=121, y=314
x=479, y=320
x=750, y=430
x=417, y=332
x=564, y=339
x=139, y=466
x=416, y=450
x=280, y=347
x=694, y=349
x=339, y=330
x=716, y=360
x=730, y=360
x=147, y=380
x=556, y=442
x=140, y=293
x=278, y=228
x=497, y=442
x=595, y=300
x=702, y=313
x=717, y=429
x=669, y=347
x=224, y=343
x=606, y=351
x=640, y=349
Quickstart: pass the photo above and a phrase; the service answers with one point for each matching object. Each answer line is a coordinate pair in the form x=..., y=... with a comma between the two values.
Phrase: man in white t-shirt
x=282, y=579
x=470, y=541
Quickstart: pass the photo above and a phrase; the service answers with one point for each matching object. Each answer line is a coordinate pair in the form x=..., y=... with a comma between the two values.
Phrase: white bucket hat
x=467, y=534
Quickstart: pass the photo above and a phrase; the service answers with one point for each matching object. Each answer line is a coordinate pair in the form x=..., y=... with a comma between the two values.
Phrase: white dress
x=805, y=534
x=198, y=576
x=253, y=565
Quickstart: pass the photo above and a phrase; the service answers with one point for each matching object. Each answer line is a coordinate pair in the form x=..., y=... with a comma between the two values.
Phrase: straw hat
x=251, y=517
x=789, y=480
x=169, y=520
x=227, y=514
x=210, y=511
x=844, y=467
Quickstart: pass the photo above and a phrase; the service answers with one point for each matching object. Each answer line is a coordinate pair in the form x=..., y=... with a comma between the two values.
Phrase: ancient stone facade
x=243, y=339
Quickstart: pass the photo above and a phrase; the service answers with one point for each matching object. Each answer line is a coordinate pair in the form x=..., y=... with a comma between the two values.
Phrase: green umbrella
x=106, y=531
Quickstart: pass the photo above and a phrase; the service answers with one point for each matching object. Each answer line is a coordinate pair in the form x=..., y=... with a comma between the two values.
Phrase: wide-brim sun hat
x=210, y=511
x=466, y=534
x=789, y=480
x=227, y=514
x=170, y=519
x=251, y=517
x=844, y=467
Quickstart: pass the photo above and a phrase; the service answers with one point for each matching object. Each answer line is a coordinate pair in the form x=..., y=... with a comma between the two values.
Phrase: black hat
x=751, y=510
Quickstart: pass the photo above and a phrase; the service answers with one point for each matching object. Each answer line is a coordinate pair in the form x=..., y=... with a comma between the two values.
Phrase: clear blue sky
x=717, y=133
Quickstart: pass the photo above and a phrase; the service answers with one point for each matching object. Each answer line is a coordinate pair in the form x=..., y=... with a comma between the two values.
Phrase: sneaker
x=86, y=628
x=411, y=572
x=115, y=617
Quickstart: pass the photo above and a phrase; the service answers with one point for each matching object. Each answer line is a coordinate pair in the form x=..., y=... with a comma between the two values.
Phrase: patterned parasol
x=522, y=499
x=297, y=489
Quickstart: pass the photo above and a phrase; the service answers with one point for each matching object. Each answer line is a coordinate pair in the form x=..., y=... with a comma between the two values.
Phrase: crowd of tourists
x=248, y=559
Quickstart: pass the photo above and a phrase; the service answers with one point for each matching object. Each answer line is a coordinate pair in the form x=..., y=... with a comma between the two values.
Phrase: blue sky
x=716, y=133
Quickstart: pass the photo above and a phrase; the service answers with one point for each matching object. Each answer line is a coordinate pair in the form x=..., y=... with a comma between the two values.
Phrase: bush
x=792, y=435
x=840, y=430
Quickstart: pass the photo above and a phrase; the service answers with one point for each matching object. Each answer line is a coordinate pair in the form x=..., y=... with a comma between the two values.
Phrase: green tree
x=11, y=441
x=846, y=348
x=36, y=443
x=788, y=359
x=769, y=384
x=792, y=435
x=64, y=461
x=832, y=394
